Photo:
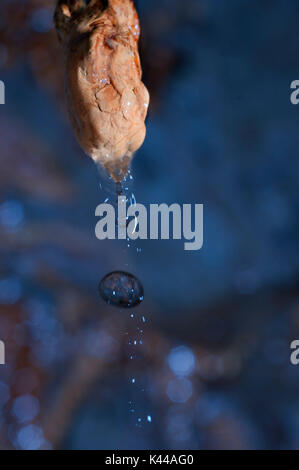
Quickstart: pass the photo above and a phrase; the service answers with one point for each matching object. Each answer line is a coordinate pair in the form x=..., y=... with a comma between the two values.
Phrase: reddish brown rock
x=106, y=98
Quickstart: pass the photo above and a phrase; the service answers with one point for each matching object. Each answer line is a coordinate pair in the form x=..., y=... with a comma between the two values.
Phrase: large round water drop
x=121, y=289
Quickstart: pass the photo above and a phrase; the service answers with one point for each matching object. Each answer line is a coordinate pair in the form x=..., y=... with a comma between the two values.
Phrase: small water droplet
x=121, y=289
x=149, y=419
x=133, y=200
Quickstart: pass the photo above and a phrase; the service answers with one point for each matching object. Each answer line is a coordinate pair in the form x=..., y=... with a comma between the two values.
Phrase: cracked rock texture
x=106, y=98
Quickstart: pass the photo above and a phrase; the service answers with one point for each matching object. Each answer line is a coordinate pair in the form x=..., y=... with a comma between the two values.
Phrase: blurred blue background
x=210, y=368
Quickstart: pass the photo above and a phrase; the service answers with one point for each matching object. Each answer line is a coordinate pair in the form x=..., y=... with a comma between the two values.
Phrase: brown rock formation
x=106, y=98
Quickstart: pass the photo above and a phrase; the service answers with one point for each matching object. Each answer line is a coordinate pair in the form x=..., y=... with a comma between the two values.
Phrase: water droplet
x=133, y=381
x=133, y=200
x=121, y=289
x=149, y=419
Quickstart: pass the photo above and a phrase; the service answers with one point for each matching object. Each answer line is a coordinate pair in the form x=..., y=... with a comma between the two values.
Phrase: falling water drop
x=121, y=289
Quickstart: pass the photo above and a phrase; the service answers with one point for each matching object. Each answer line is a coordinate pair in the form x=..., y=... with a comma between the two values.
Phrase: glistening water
x=123, y=290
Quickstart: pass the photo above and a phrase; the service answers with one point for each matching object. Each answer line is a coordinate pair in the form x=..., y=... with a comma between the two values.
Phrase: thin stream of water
x=124, y=290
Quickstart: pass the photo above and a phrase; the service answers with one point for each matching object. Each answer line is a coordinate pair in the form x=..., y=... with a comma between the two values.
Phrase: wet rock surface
x=107, y=100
